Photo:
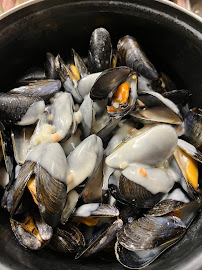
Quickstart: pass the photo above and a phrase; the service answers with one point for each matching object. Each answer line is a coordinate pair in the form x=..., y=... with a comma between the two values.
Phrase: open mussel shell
x=156, y=115
x=21, y=137
x=149, y=232
x=189, y=170
x=157, y=109
x=67, y=239
x=71, y=201
x=19, y=109
x=108, y=81
x=92, y=191
x=17, y=189
x=137, y=194
x=51, y=196
x=139, y=258
x=119, y=106
x=193, y=127
x=190, y=150
x=32, y=233
x=79, y=63
x=101, y=239
x=130, y=54
x=100, y=50
x=107, y=130
x=96, y=210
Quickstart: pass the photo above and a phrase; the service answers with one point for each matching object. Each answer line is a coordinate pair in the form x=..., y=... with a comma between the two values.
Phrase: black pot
x=172, y=39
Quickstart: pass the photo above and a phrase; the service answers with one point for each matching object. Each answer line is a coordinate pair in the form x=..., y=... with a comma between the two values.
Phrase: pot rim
x=165, y=2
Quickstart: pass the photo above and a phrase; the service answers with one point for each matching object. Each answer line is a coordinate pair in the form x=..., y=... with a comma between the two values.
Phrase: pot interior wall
x=171, y=39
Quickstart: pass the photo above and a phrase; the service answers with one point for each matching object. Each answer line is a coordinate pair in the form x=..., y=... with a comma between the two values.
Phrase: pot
x=172, y=39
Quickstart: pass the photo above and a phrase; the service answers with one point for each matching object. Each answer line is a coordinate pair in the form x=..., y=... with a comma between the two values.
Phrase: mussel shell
x=190, y=150
x=137, y=194
x=149, y=232
x=106, y=132
x=21, y=137
x=140, y=258
x=193, y=127
x=51, y=196
x=79, y=63
x=100, y=50
x=130, y=53
x=108, y=81
x=50, y=70
x=164, y=207
x=17, y=189
x=25, y=238
x=193, y=192
x=93, y=189
x=156, y=115
x=14, y=106
x=43, y=88
x=45, y=231
x=61, y=68
x=67, y=239
x=72, y=199
x=6, y=145
x=96, y=210
x=179, y=97
x=154, y=99
x=104, y=237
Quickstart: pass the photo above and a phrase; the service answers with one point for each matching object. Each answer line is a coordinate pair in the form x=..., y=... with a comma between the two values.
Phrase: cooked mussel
x=67, y=239
x=43, y=88
x=101, y=239
x=32, y=233
x=159, y=233
x=50, y=70
x=161, y=140
x=20, y=110
x=130, y=53
x=100, y=50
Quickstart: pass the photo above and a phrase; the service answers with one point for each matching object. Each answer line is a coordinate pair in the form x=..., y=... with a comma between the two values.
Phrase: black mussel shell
x=140, y=258
x=130, y=53
x=51, y=196
x=50, y=70
x=43, y=88
x=165, y=207
x=108, y=81
x=18, y=187
x=149, y=232
x=67, y=239
x=193, y=127
x=137, y=194
x=102, y=238
x=100, y=50
x=14, y=106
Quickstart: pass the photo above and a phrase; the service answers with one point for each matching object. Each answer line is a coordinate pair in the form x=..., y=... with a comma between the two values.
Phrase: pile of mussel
x=100, y=153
